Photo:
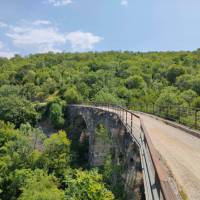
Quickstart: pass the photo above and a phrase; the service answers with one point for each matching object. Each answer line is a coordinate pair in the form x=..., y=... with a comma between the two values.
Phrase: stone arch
x=78, y=121
x=79, y=141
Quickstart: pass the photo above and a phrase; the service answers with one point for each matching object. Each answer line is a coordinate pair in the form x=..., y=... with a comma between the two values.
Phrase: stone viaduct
x=119, y=143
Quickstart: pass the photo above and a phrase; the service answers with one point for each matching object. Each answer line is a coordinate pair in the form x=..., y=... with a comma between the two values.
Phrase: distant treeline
x=29, y=84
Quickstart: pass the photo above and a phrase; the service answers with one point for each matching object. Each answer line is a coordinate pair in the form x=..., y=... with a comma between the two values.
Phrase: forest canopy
x=118, y=77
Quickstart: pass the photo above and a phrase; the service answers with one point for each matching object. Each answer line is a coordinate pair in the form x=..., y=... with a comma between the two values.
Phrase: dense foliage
x=38, y=168
x=110, y=76
x=35, y=90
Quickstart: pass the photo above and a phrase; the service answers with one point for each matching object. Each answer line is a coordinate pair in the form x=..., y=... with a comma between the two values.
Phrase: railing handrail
x=167, y=191
x=188, y=116
x=170, y=105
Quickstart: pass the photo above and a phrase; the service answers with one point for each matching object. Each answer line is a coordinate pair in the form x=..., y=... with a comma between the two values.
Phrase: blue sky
x=28, y=26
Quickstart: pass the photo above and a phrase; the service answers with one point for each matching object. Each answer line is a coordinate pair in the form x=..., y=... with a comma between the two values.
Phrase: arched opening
x=79, y=142
x=101, y=146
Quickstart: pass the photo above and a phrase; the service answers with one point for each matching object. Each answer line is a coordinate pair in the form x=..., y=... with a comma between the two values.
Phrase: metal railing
x=183, y=115
x=156, y=179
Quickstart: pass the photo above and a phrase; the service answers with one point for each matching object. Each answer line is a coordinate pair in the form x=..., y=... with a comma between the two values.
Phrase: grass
x=183, y=195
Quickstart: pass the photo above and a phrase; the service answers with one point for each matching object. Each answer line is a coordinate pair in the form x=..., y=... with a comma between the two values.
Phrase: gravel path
x=181, y=151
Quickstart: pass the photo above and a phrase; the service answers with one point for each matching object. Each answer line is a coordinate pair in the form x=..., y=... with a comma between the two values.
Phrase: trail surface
x=180, y=150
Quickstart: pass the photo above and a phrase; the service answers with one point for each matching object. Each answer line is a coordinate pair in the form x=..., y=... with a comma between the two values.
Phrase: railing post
x=126, y=117
x=131, y=122
x=195, y=125
x=179, y=114
x=159, y=111
x=153, y=108
x=167, y=111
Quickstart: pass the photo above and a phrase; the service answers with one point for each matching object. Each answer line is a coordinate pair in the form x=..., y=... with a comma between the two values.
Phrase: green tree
x=104, y=96
x=72, y=96
x=15, y=149
x=112, y=176
x=173, y=72
x=56, y=115
x=7, y=90
x=196, y=102
x=41, y=186
x=169, y=96
x=124, y=94
x=17, y=110
x=184, y=82
x=196, y=84
x=135, y=82
x=85, y=185
x=188, y=96
x=49, y=86
x=29, y=90
x=56, y=155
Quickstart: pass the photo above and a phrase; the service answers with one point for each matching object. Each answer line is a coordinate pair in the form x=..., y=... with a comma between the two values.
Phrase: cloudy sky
x=32, y=26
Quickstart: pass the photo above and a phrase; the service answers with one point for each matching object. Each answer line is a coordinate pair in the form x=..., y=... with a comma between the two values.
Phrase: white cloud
x=3, y=25
x=41, y=36
x=41, y=22
x=41, y=39
x=124, y=2
x=81, y=41
x=59, y=2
